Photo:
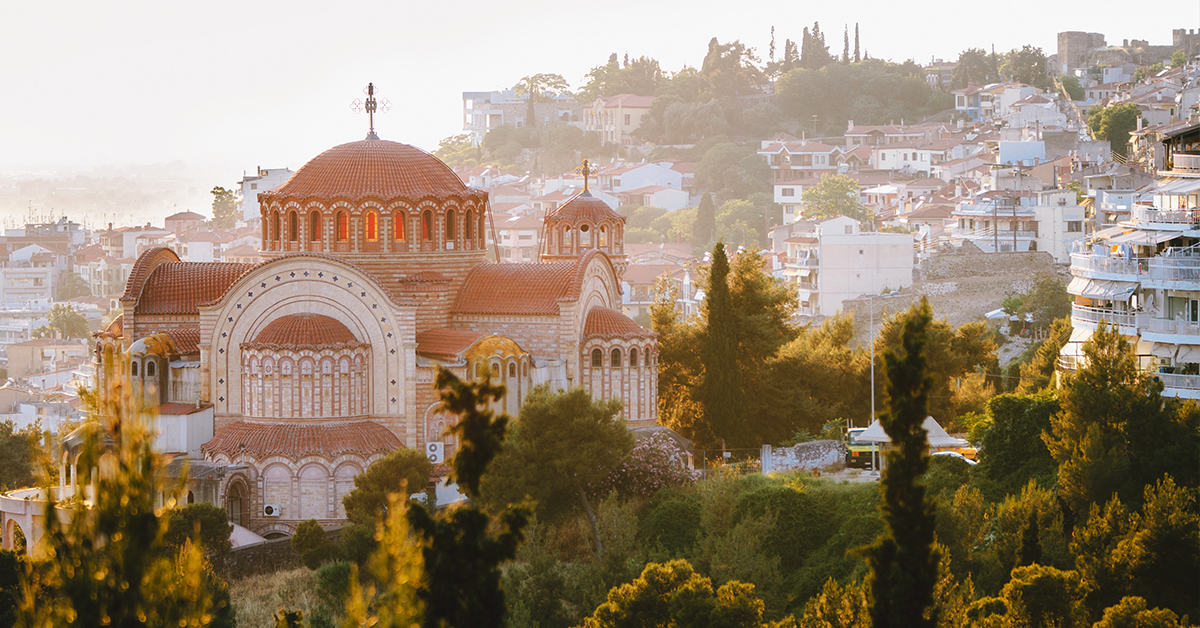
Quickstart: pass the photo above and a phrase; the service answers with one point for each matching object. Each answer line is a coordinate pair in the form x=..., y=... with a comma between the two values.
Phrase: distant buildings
x=265, y=180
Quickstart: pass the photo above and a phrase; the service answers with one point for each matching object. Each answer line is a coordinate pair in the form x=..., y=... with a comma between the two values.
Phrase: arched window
x=150, y=369
x=469, y=226
x=585, y=235
x=293, y=227
x=450, y=225
x=597, y=358
x=478, y=370
x=372, y=226
x=427, y=225
x=495, y=370
x=275, y=226
x=343, y=226
x=399, y=218
x=566, y=238
x=616, y=358
x=633, y=357
x=133, y=370
x=512, y=369
x=482, y=231
x=603, y=236
x=314, y=227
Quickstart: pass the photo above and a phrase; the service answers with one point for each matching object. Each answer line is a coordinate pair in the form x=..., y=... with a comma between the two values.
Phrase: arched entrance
x=237, y=503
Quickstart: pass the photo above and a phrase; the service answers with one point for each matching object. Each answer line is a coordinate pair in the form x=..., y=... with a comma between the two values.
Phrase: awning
x=1145, y=238
x=1074, y=346
x=1156, y=349
x=1101, y=289
x=1188, y=354
x=1109, y=232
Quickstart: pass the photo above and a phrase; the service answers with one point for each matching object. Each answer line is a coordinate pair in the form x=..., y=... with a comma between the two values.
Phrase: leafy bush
x=654, y=464
x=313, y=545
x=672, y=524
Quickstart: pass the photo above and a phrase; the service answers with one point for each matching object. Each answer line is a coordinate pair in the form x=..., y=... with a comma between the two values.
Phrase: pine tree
x=857, y=58
x=706, y=222
x=1031, y=545
x=721, y=392
x=846, y=45
x=903, y=562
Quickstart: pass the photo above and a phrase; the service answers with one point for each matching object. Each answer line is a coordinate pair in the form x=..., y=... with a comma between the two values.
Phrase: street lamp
x=871, y=300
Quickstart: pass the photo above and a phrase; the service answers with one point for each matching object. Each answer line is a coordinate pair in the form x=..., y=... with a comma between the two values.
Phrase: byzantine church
x=293, y=375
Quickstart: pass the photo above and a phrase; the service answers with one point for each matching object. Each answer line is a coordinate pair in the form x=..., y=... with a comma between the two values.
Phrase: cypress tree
x=722, y=399
x=857, y=58
x=1031, y=546
x=903, y=561
x=806, y=54
x=846, y=45
x=706, y=222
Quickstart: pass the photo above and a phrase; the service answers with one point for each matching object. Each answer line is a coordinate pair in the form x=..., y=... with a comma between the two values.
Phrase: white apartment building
x=796, y=164
x=1020, y=221
x=830, y=261
x=267, y=179
x=1142, y=277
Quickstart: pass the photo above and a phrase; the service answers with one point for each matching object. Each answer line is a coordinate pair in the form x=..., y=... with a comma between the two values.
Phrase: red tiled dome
x=371, y=169
x=584, y=207
x=304, y=330
x=603, y=322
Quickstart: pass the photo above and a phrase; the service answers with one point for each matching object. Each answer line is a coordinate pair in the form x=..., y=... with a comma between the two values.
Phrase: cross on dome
x=586, y=169
x=371, y=105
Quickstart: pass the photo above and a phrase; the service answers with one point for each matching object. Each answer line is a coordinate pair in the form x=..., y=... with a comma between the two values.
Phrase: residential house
x=519, y=237
x=1048, y=220
x=615, y=118
x=41, y=355
x=251, y=186
x=182, y=221
x=484, y=111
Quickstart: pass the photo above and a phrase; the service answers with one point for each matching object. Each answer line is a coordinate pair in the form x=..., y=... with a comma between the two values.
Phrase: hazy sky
x=235, y=85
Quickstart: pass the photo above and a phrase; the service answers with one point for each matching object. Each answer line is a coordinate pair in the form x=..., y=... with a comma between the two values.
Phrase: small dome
x=603, y=322
x=304, y=331
x=584, y=207
x=371, y=169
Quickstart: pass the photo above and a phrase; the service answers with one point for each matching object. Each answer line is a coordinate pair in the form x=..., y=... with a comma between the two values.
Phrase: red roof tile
x=584, y=207
x=515, y=289
x=180, y=287
x=603, y=322
x=296, y=440
x=305, y=330
x=181, y=409
x=371, y=169
x=142, y=267
x=186, y=339
x=445, y=344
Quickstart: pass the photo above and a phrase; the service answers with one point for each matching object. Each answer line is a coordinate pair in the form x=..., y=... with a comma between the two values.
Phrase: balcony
x=1004, y=234
x=1171, y=327
x=1113, y=268
x=1179, y=382
x=802, y=262
x=1179, y=218
x=1182, y=162
x=1180, y=272
x=1091, y=317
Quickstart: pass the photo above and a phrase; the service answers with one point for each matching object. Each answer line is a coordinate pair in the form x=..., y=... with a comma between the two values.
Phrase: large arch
x=318, y=284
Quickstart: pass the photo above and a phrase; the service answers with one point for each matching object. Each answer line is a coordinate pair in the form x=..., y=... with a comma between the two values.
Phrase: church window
x=495, y=370
x=597, y=358
x=469, y=226
x=150, y=369
x=293, y=227
x=481, y=230
x=478, y=370
x=133, y=369
x=343, y=226
x=603, y=236
x=399, y=219
x=427, y=225
x=275, y=226
x=372, y=226
x=450, y=225
x=633, y=357
x=585, y=236
x=525, y=369
x=512, y=370
x=616, y=358
x=314, y=227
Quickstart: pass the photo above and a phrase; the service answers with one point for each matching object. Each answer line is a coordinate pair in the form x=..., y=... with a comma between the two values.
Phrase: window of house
x=849, y=229
x=314, y=227
x=343, y=226
x=616, y=358
x=512, y=370
x=293, y=227
x=427, y=225
x=628, y=119
x=253, y=186
x=788, y=192
x=450, y=234
x=275, y=226
x=597, y=359
x=633, y=357
x=398, y=221
x=469, y=226
x=372, y=228
x=1075, y=226
x=150, y=369
x=133, y=369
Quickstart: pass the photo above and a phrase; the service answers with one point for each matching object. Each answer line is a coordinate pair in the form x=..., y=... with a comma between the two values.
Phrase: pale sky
x=229, y=86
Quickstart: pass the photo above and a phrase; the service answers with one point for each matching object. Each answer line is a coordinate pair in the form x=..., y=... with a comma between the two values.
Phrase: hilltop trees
x=975, y=67
x=63, y=322
x=1114, y=123
x=533, y=88
x=835, y=195
x=869, y=92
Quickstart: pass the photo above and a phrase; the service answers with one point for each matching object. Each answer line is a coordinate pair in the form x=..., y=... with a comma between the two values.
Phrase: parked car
x=955, y=455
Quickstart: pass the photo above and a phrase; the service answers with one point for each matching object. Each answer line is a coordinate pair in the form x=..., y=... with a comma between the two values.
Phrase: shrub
x=655, y=463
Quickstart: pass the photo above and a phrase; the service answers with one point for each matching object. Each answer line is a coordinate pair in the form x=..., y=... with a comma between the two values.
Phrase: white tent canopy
x=936, y=436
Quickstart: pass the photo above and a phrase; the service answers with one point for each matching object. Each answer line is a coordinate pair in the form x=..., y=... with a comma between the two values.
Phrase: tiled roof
x=603, y=322
x=304, y=330
x=117, y=326
x=182, y=409
x=585, y=208
x=515, y=289
x=180, y=287
x=188, y=215
x=644, y=273
x=371, y=169
x=186, y=339
x=296, y=440
x=142, y=267
x=445, y=344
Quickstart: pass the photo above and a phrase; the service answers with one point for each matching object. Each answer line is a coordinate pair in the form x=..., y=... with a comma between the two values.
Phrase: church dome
x=304, y=331
x=370, y=169
x=585, y=208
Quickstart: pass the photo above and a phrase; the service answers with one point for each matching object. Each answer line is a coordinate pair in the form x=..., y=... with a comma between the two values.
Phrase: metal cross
x=371, y=105
x=586, y=169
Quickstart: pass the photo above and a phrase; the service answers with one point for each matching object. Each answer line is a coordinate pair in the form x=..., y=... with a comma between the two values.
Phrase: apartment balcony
x=1159, y=329
x=988, y=234
x=1171, y=219
x=1174, y=273
x=1183, y=162
x=1183, y=386
x=800, y=263
x=1086, y=317
x=1111, y=268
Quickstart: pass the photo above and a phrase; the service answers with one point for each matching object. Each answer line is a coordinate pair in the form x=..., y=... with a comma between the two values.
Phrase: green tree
x=458, y=149
x=205, y=525
x=1115, y=432
x=835, y=195
x=1179, y=58
x=1114, y=123
x=1042, y=597
x=746, y=221
x=1131, y=612
x=463, y=548
x=389, y=596
x=730, y=171
x=1026, y=65
x=673, y=594
x=71, y=285
x=562, y=448
x=63, y=322
x=1012, y=451
x=721, y=395
x=19, y=453
x=109, y=564
x=902, y=562
x=730, y=69
x=533, y=89
x=706, y=222
x=679, y=352
x=1038, y=372
x=975, y=67
x=405, y=471
x=224, y=206
x=313, y=545
x=1070, y=83
x=641, y=76
x=1047, y=302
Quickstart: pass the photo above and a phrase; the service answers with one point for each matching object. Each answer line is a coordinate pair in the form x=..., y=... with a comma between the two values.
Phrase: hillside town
x=302, y=328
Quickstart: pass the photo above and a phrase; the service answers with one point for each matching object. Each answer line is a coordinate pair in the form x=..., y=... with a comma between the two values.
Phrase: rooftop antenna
x=371, y=105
